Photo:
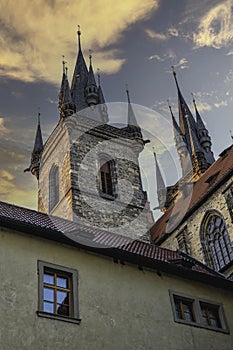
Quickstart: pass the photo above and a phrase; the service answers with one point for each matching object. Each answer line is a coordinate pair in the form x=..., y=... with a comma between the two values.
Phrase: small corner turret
x=34, y=167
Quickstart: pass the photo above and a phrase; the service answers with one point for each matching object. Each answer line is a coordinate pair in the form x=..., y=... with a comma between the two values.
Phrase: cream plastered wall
x=121, y=306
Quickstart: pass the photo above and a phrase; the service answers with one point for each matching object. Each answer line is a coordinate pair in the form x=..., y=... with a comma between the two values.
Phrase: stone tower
x=89, y=170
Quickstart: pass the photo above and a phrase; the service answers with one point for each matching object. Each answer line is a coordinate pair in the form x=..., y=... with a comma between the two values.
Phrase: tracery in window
x=215, y=241
x=53, y=186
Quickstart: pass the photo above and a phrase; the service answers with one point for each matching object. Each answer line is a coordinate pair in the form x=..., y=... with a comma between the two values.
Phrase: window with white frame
x=58, y=292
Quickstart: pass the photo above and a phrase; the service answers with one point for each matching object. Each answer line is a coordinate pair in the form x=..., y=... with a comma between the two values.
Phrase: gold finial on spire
x=173, y=70
x=90, y=56
x=64, y=64
x=79, y=34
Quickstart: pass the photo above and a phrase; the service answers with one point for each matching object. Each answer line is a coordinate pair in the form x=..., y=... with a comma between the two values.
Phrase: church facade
x=198, y=209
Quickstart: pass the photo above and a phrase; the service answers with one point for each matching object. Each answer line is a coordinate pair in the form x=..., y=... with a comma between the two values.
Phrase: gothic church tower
x=89, y=170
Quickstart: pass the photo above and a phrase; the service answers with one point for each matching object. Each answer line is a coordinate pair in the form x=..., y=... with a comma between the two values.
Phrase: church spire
x=161, y=188
x=183, y=111
x=188, y=127
x=203, y=135
x=91, y=88
x=133, y=126
x=66, y=105
x=80, y=78
x=37, y=151
x=102, y=105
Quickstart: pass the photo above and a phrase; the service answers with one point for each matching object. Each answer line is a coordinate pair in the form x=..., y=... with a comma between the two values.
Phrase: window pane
x=48, y=294
x=48, y=307
x=62, y=297
x=184, y=310
x=63, y=309
x=48, y=278
x=62, y=282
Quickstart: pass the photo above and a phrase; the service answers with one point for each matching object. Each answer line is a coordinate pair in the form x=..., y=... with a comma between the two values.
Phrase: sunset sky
x=133, y=42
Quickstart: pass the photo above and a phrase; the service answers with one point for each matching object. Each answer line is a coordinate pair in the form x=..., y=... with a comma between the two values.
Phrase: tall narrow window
x=215, y=241
x=107, y=177
x=53, y=187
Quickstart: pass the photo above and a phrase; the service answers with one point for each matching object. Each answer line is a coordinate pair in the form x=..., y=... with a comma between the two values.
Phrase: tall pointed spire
x=161, y=188
x=37, y=151
x=80, y=78
x=180, y=142
x=91, y=88
x=66, y=104
x=188, y=127
x=102, y=105
x=133, y=126
x=183, y=111
x=203, y=136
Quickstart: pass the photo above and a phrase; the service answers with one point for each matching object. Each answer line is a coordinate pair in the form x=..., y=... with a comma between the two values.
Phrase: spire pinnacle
x=127, y=93
x=170, y=107
x=79, y=35
x=173, y=71
x=194, y=155
x=98, y=76
x=38, y=116
x=64, y=64
x=90, y=56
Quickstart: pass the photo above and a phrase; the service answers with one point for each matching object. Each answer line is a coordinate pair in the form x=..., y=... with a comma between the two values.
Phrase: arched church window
x=215, y=241
x=106, y=173
x=53, y=186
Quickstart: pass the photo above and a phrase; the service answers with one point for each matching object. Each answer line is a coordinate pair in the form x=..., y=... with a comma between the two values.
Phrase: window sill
x=58, y=317
x=199, y=325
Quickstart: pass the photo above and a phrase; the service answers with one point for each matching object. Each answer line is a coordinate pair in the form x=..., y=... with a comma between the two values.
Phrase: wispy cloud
x=170, y=55
x=34, y=35
x=173, y=31
x=182, y=64
x=154, y=35
x=215, y=28
x=221, y=104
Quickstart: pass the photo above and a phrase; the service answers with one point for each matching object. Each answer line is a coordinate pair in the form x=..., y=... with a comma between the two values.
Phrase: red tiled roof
x=217, y=173
x=89, y=238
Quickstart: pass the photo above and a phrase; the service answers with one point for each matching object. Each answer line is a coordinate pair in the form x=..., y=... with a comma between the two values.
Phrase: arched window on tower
x=53, y=186
x=215, y=241
x=106, y=177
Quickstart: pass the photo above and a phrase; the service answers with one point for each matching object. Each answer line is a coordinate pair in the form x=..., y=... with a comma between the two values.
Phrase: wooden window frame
x=197, y=305
x=72, y=275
